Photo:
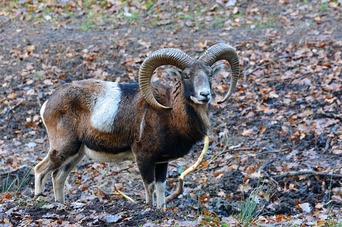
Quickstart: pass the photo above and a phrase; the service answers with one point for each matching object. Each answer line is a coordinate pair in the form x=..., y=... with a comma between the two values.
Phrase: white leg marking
x=40, y=178
x=106, y=107
x=160, y=190
x=149, y=190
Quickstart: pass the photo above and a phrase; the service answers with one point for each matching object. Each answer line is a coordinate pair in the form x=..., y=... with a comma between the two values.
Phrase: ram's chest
x=175, y=147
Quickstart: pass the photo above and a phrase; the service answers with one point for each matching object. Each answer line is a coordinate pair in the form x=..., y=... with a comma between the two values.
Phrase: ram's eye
x=186, y=76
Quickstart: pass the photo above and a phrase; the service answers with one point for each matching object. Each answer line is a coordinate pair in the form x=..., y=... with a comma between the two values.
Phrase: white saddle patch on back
x=106, y=107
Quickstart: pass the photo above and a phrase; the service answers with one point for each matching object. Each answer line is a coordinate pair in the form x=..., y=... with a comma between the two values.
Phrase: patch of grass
x=87, y=25
x=331, y=223
x=218, y=22
x=268, y=23
x=235, y=16
x=251, y=207
x=7, y=184
x=88, y=3
x=186, y=17
x=89, y=22
x=149, y=5
x=47, y=10
x=103, y=3
x=134, y=16
x=13, y=3
x=38, y=19
x=38, y=75
x=41, y=202
x=323, y=6
x=210, y=221
x=14, y=183
x=248, y=210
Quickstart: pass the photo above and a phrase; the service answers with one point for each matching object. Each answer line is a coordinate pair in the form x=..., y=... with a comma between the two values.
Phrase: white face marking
x=201, y=86
x=106, y=107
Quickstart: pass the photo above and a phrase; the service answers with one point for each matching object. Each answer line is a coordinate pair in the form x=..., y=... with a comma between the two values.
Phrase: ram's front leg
x=160, y=178
x=146, y=167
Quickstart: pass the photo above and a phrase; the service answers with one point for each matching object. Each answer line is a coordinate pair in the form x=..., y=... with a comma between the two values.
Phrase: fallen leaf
x=305, y=207
x=247, y=132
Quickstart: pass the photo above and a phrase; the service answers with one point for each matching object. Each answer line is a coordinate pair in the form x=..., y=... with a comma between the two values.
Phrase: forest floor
x=275, y=154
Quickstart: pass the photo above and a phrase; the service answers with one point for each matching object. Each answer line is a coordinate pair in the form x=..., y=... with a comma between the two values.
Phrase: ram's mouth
x=200, y=101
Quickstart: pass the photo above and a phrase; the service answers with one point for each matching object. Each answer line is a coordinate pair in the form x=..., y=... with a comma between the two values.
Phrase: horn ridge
x=166, y=56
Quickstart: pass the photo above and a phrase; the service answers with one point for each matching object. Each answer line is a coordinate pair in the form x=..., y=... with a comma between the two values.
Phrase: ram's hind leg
x=62, y=157
x=42, y=169
x=60, y=175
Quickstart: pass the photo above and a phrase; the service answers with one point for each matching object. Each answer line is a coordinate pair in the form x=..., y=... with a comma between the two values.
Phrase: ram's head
x=195, y=74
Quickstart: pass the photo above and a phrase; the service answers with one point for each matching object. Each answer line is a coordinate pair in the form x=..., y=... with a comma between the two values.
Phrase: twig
x=251, y=70
x=225, y=151
x=265, y=172
x=329, y=115
x=277, y=158
x=83, y=165
x=39, y=103
x=241, y=149
x=180, y=186
x=327, y=144
x=14, y=170
x=125, y=196
x=332, y=131
x=308, y=172
x=17, y=105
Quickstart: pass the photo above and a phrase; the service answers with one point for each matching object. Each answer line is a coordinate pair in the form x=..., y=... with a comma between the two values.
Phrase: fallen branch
x=125, y=196
x=116, y=192
x=332, y=131
x=11, y=171
x=251, y=70
x=329, y=115
x=180, y=187
x=225, y=150
x=17, y=104
x=308, y=172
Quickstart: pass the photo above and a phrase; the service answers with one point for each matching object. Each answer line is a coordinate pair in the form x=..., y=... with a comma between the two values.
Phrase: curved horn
x=226, y=52
x=167, y=56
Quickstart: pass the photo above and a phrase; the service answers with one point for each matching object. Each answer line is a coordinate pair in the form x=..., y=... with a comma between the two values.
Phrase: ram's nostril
x=205, y=93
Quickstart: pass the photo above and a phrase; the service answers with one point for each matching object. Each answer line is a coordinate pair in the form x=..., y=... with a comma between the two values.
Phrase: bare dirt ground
x=276, y=147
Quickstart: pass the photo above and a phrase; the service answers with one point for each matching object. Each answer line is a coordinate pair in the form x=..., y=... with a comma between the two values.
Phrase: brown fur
x=151, y=134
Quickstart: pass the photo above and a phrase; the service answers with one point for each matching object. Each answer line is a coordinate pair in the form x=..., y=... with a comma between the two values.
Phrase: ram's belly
x=105, y=156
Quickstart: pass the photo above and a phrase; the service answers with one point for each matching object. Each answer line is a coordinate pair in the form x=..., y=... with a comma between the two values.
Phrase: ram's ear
x=217, y=68
x=174, y=72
